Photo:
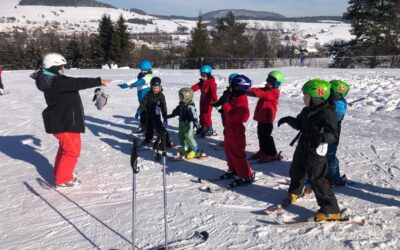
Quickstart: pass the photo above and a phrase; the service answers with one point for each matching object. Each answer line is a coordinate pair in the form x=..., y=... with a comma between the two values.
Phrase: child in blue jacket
x=339, y=90
x=142, y=83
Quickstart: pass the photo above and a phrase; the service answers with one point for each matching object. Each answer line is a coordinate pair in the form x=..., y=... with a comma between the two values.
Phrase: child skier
x=317, y=123
x=265, y=113
x=142, y=83
x=154, y=107
x=186, y=111
x=339, y=90
x=208, y=96
x=64, y=116
x=236, y=113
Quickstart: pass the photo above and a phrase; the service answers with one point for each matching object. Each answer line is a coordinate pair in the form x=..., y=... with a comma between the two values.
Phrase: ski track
x=97, y=214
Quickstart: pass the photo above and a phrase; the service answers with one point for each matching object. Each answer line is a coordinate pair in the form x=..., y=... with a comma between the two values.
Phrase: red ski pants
x=235, y=151
x=67, y=156
x=205, y=115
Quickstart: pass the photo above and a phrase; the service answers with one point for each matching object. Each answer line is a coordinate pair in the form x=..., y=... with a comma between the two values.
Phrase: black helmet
x=155, y=81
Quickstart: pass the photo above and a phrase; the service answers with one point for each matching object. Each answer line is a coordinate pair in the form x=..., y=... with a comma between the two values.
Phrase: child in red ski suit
x=208, y=89
x=264, y=114
x=236, y=113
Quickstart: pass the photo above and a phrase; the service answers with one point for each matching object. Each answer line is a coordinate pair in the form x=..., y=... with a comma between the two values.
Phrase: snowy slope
x=85, y=19
x=97, y=214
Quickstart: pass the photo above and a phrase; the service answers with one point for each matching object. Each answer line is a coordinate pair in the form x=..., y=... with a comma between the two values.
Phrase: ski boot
x=72, y=183
x=318, y=217
x=256, y=155
x=184, y=150
x=291, y=198
x=138, y=130
x=227, y=175
x=208, y=131
x=243, y=181
x=193, y=154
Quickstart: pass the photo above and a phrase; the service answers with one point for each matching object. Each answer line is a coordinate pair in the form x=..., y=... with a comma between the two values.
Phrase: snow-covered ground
x=85, y=19
x=97, y=214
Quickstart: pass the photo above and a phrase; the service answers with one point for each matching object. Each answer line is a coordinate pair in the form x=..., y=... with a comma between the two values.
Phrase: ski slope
x=97, y=214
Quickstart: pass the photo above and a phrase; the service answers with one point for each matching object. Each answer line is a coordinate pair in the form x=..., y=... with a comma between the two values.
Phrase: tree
x=229, y=37
x=199, y=46
x=375, y=25
x=121, y=45
x=106, y=30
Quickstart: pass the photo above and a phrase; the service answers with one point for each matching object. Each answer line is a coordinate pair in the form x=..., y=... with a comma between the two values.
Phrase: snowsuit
x=187, y=124
x=333, y=162
x=154, y=107
x=142, y=83
x=317, y=125
x=64, y=117
x=264, y=114
x=236, y=113
x=208, y=96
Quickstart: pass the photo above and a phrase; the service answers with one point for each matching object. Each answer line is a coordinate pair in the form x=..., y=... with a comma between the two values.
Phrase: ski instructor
x=64, y=116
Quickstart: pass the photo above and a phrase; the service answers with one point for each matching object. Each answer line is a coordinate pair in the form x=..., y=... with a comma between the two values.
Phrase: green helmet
x=279, y=78
x=317, y=88
x=339, y=86
x=187, y=94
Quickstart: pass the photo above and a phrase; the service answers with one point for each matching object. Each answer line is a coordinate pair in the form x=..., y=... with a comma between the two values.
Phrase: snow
x=97, y=214
x=85, y=19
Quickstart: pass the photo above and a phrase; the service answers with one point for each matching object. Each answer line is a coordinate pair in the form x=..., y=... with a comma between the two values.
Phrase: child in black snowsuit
x=317, y=123
x=154, y=106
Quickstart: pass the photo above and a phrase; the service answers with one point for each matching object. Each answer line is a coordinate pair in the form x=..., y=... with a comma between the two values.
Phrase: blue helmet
x=206, y=69
x=241, y=82
x=231, y=76
x=145, y=65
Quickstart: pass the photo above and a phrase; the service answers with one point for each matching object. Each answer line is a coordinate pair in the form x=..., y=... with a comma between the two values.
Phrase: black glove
x=289, y=120
x=251, y=94
x=201, y=82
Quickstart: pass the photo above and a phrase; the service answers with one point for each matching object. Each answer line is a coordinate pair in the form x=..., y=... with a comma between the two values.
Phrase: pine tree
x=375, y=25
x=199, y=46
x=229, y=38
x=121, y=44
x=106, y=30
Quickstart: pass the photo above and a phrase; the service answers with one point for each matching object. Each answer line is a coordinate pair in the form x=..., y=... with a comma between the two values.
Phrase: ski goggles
x=203, y=74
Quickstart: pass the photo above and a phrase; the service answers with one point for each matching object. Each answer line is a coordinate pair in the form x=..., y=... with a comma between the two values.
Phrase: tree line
x=375, y=26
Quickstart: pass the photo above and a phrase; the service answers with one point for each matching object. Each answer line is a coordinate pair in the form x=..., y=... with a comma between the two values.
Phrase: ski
x=345, y=221
x=219, y=189
x=189, y=243
x=277, y=208
x=178, y=157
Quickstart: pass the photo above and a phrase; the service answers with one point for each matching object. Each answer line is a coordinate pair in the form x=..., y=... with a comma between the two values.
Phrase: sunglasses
x=271, y=79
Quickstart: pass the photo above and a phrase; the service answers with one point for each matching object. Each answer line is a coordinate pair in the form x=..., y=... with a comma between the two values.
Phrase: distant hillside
x=67, y=3
x=243, y=14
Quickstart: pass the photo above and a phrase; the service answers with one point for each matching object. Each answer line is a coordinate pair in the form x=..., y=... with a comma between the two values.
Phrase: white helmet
x=53, y=59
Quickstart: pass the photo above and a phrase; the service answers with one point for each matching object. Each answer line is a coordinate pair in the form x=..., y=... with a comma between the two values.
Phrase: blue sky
x=289, y=8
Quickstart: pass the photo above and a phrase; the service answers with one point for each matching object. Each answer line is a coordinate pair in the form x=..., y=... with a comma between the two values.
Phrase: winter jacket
x=154, y=105
x=186, y=112
x=341, y=106
x=318, y=125
x=142, y=83
x=236, y=112
x=208, y=91
x=267, y=104
x=64, y=112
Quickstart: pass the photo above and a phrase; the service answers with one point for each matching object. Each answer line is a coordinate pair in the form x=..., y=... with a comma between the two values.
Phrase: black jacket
x=64, y=112
x=154, y=105
x=318, y=124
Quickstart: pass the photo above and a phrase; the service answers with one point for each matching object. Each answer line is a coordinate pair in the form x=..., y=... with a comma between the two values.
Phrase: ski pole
x=164, y=154
x=135, y=170
x=357, y=100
